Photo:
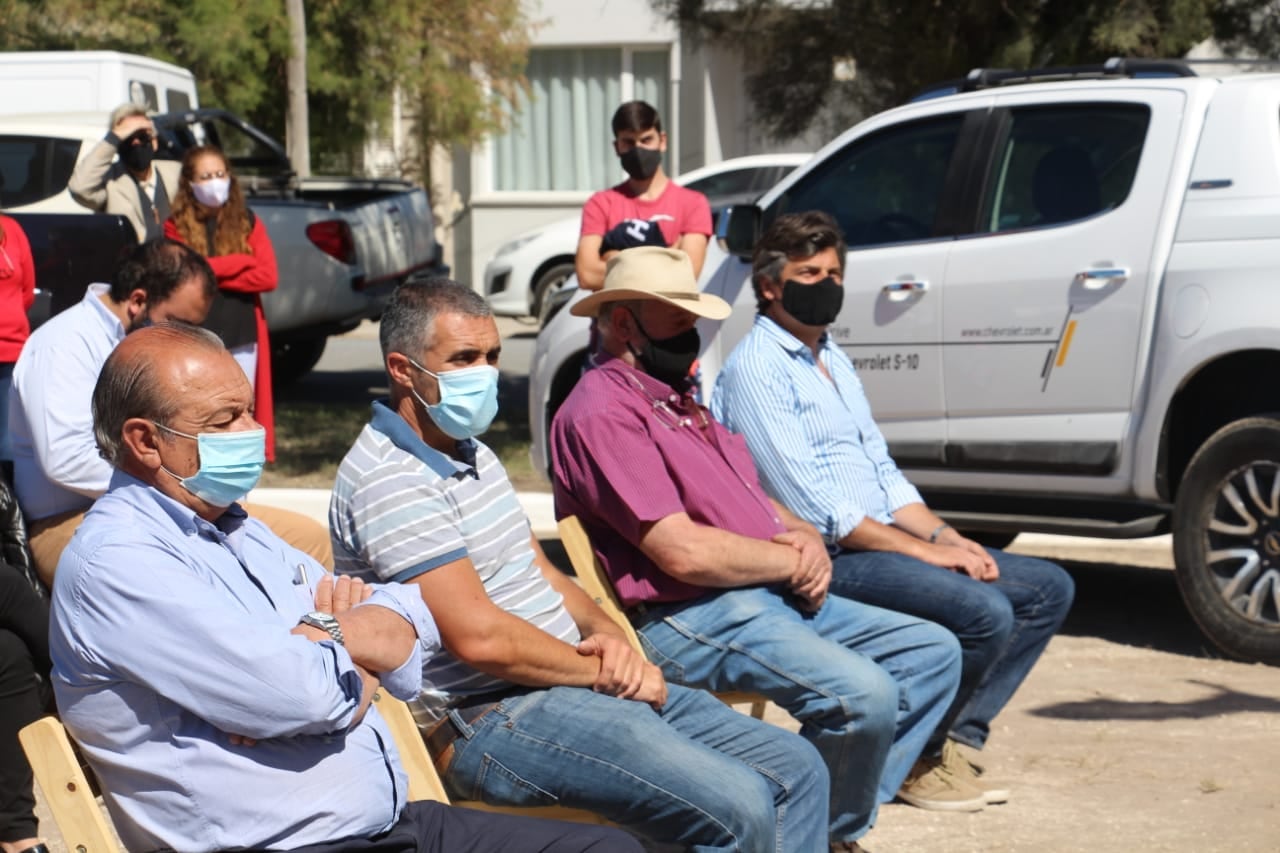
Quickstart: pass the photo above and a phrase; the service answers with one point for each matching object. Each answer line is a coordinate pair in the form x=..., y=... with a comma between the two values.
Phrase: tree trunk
x=296, y=127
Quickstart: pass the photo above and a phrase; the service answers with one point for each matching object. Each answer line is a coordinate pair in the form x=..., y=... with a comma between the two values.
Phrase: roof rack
x=1116, y=67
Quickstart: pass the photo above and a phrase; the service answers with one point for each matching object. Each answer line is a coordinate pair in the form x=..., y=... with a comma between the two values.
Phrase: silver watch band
x=325, y=622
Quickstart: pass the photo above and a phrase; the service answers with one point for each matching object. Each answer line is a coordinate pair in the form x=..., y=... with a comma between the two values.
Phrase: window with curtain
x=559, y=137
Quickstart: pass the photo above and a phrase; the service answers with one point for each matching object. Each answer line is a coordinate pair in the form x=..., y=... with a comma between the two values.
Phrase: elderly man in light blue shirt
x=796, y=398
x=219, y=680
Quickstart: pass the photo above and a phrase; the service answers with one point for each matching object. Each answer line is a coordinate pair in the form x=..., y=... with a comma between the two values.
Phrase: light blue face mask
x=468, y=400
x=230, y=464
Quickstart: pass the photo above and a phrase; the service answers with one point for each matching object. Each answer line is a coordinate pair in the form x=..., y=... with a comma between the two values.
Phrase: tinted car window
x=1063, y=163
x=881, y=188
x=144, y=95
x=177, y=100
x=735, y=182
x=33, y=168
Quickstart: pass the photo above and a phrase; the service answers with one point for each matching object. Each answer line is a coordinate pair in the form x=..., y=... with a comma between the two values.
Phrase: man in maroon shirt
x=727, y=588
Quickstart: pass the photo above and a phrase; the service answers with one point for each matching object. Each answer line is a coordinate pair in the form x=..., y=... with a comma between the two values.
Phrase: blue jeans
x=867, y=685
x=696, y=773
x=1003, y=626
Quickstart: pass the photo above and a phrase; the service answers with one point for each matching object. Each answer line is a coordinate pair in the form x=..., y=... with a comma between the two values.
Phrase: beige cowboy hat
x=653, y=272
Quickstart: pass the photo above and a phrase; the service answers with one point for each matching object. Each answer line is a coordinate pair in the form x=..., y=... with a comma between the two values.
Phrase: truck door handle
x=1100, y=278
x=900, y=291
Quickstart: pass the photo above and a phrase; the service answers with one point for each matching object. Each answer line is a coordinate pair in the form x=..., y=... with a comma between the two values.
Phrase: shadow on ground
x=1219, y=701
x=1135, y=606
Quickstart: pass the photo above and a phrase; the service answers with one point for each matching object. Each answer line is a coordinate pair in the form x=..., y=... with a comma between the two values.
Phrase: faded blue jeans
x=1003, y=626
x=867, y=685
x=697, y=773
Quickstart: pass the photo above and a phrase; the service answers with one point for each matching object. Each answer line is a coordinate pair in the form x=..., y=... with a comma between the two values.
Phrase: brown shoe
x=962, y=768
x=848, y=847
x=930, y=785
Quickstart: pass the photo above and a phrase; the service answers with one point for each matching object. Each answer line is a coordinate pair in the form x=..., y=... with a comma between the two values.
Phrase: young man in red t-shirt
x=647, y=209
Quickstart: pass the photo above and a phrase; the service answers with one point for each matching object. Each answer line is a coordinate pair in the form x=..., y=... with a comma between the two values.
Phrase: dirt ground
x=1130, y=734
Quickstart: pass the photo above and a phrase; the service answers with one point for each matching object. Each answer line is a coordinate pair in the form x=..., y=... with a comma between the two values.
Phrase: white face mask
x=213, y=192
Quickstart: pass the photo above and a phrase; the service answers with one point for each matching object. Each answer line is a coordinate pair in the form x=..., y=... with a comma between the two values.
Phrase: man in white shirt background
x=57, y=470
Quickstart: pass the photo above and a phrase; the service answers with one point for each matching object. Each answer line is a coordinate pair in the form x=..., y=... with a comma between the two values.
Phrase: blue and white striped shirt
x=814, y=441
x=400, y=508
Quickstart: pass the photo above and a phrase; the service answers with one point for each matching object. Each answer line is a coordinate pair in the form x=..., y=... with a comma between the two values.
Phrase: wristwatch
x=325, y=622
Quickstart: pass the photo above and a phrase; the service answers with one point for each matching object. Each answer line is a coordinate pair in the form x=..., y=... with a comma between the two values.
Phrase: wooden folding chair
x=75, y=810
x=84, y=826
x=596, y=582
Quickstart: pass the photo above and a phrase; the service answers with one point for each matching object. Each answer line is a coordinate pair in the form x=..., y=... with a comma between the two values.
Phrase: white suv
x=1061, y=298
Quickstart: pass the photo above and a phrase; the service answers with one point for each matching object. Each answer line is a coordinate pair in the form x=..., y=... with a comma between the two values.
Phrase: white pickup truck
x=342, y=244
x=1061, y=296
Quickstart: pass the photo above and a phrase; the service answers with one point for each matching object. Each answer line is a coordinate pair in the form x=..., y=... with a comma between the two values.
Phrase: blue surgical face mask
x=230, y=464
x=468, y=400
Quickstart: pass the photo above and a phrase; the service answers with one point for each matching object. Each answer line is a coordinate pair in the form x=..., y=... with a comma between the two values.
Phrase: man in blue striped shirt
x=795, y=397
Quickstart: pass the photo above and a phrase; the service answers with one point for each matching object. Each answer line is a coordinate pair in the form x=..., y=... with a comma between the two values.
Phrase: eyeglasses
x=209, y=176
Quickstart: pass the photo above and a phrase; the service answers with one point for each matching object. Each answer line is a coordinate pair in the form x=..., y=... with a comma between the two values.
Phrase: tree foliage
x=1249, y=27
x=456, y=63
x=901, y=46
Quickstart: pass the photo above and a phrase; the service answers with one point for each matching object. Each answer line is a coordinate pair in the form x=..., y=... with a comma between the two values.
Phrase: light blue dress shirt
x=815, y=443
x=56, y=465
x=169, y=634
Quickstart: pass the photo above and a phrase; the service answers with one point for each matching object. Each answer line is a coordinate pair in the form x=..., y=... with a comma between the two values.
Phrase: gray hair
x=125, y=111
x=129, y=387
x=408, y=321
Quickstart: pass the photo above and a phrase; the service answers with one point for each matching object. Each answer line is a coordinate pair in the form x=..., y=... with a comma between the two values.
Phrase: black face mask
x=668, y=359
x=135, y=151
x=641, y=163
x=816, y=304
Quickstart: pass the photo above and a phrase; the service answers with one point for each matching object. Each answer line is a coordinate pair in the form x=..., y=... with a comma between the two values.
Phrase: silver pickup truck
x=342, y=244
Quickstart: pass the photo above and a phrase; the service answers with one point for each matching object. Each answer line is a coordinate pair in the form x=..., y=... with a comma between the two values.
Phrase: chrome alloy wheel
x=1242, y=541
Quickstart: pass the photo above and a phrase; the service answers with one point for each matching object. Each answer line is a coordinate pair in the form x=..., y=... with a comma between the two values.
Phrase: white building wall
x=707, y=120
x=590, y=23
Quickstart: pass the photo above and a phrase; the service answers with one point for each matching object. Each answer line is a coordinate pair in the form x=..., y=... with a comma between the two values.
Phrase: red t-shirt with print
x=678, y=211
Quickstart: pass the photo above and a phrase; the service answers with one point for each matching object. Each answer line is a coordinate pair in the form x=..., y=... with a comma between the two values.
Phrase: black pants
x=427, y=827
x=24, y=694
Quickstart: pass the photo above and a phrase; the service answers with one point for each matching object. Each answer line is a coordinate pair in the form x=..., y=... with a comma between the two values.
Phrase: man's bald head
x=141, y=376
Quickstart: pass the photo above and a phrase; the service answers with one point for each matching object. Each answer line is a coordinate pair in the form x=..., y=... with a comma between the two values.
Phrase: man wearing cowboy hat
x=727, y=588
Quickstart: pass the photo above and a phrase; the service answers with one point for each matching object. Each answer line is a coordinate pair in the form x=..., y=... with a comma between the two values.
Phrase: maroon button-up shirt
x=629, y=451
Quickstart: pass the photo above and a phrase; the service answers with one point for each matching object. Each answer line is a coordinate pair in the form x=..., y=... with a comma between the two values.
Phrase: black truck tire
x=292, y=360
x=1226, y=538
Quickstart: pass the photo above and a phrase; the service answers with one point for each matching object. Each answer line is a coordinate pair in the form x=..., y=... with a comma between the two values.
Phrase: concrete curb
x=542, y=518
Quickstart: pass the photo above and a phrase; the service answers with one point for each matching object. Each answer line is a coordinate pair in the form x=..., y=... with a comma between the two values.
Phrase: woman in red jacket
x=17, y=292
x=209, y=214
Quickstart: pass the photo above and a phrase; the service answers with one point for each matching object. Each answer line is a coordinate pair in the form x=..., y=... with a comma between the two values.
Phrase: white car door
x=1043, y=306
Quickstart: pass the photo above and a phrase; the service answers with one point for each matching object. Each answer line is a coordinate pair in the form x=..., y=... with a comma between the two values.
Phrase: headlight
x=511, y=246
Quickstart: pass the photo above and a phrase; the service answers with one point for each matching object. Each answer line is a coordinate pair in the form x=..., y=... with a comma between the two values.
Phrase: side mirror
x=738, y=228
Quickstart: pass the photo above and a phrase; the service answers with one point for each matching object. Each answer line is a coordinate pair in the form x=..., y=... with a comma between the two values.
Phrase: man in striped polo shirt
x=795, y=397
x=538, y=698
